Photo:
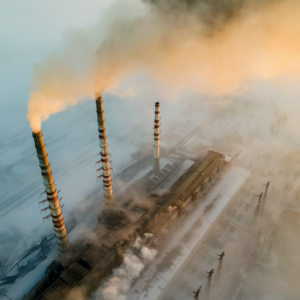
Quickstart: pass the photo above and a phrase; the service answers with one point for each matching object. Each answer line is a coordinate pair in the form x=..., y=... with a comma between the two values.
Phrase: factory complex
x=185, y=191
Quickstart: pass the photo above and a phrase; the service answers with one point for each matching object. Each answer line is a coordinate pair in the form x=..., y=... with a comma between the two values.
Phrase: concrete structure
x=156, y=149
x=106, y=175
x=50, y=189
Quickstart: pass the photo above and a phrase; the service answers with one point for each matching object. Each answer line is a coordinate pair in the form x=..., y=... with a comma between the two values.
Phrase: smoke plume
x=213, y=47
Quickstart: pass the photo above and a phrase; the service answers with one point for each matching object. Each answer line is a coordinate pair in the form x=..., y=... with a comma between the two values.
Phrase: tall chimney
x=50, y=189
x=156, y=150
x=108, y=192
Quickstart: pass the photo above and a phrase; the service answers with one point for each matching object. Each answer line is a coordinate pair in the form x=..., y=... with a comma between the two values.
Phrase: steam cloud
x=213, y=47
x=117, y=287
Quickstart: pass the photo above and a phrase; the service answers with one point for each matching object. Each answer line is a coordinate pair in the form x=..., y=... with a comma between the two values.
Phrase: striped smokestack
x=50, y=189
x=156, y=149
x=108, y=192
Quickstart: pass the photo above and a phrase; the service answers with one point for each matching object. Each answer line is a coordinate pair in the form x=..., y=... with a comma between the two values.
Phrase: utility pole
x=263, y=201
x=196, y=294
x=256, y=212
x=221, y=256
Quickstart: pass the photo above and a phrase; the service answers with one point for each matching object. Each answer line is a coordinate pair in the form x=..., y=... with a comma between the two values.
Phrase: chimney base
x=156, y=168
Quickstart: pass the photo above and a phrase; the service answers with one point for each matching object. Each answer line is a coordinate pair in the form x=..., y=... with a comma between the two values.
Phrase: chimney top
x=37, y=134
x=98, y=95
x=156, y=103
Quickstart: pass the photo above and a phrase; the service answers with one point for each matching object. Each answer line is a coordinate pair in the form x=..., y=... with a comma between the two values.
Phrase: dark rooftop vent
x=113, y=219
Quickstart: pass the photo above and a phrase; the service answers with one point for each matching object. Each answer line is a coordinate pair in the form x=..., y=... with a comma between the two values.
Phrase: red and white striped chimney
x=156, y=148
x=108, y=192
x=50, y=189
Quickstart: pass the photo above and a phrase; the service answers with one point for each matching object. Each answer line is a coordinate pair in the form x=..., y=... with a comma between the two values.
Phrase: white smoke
x=148, y=235
x=148, y=254
x=117, y=287
x=138, y=243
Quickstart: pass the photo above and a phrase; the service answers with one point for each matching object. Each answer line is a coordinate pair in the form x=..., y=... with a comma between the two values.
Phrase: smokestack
x=50, y=189
x=108, y=192
x=156, y=149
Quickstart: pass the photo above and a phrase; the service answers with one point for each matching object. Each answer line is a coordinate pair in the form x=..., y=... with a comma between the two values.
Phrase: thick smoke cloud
x=212, y=13
x=213, y=47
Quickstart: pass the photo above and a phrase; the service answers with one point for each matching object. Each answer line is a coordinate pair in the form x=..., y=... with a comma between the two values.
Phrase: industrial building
x=159, y=279
x=172, y=191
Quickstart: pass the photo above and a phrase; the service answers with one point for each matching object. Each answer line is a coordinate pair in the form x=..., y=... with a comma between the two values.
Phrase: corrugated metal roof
x=51, y=294
x=70, y=278
x=78, y=269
